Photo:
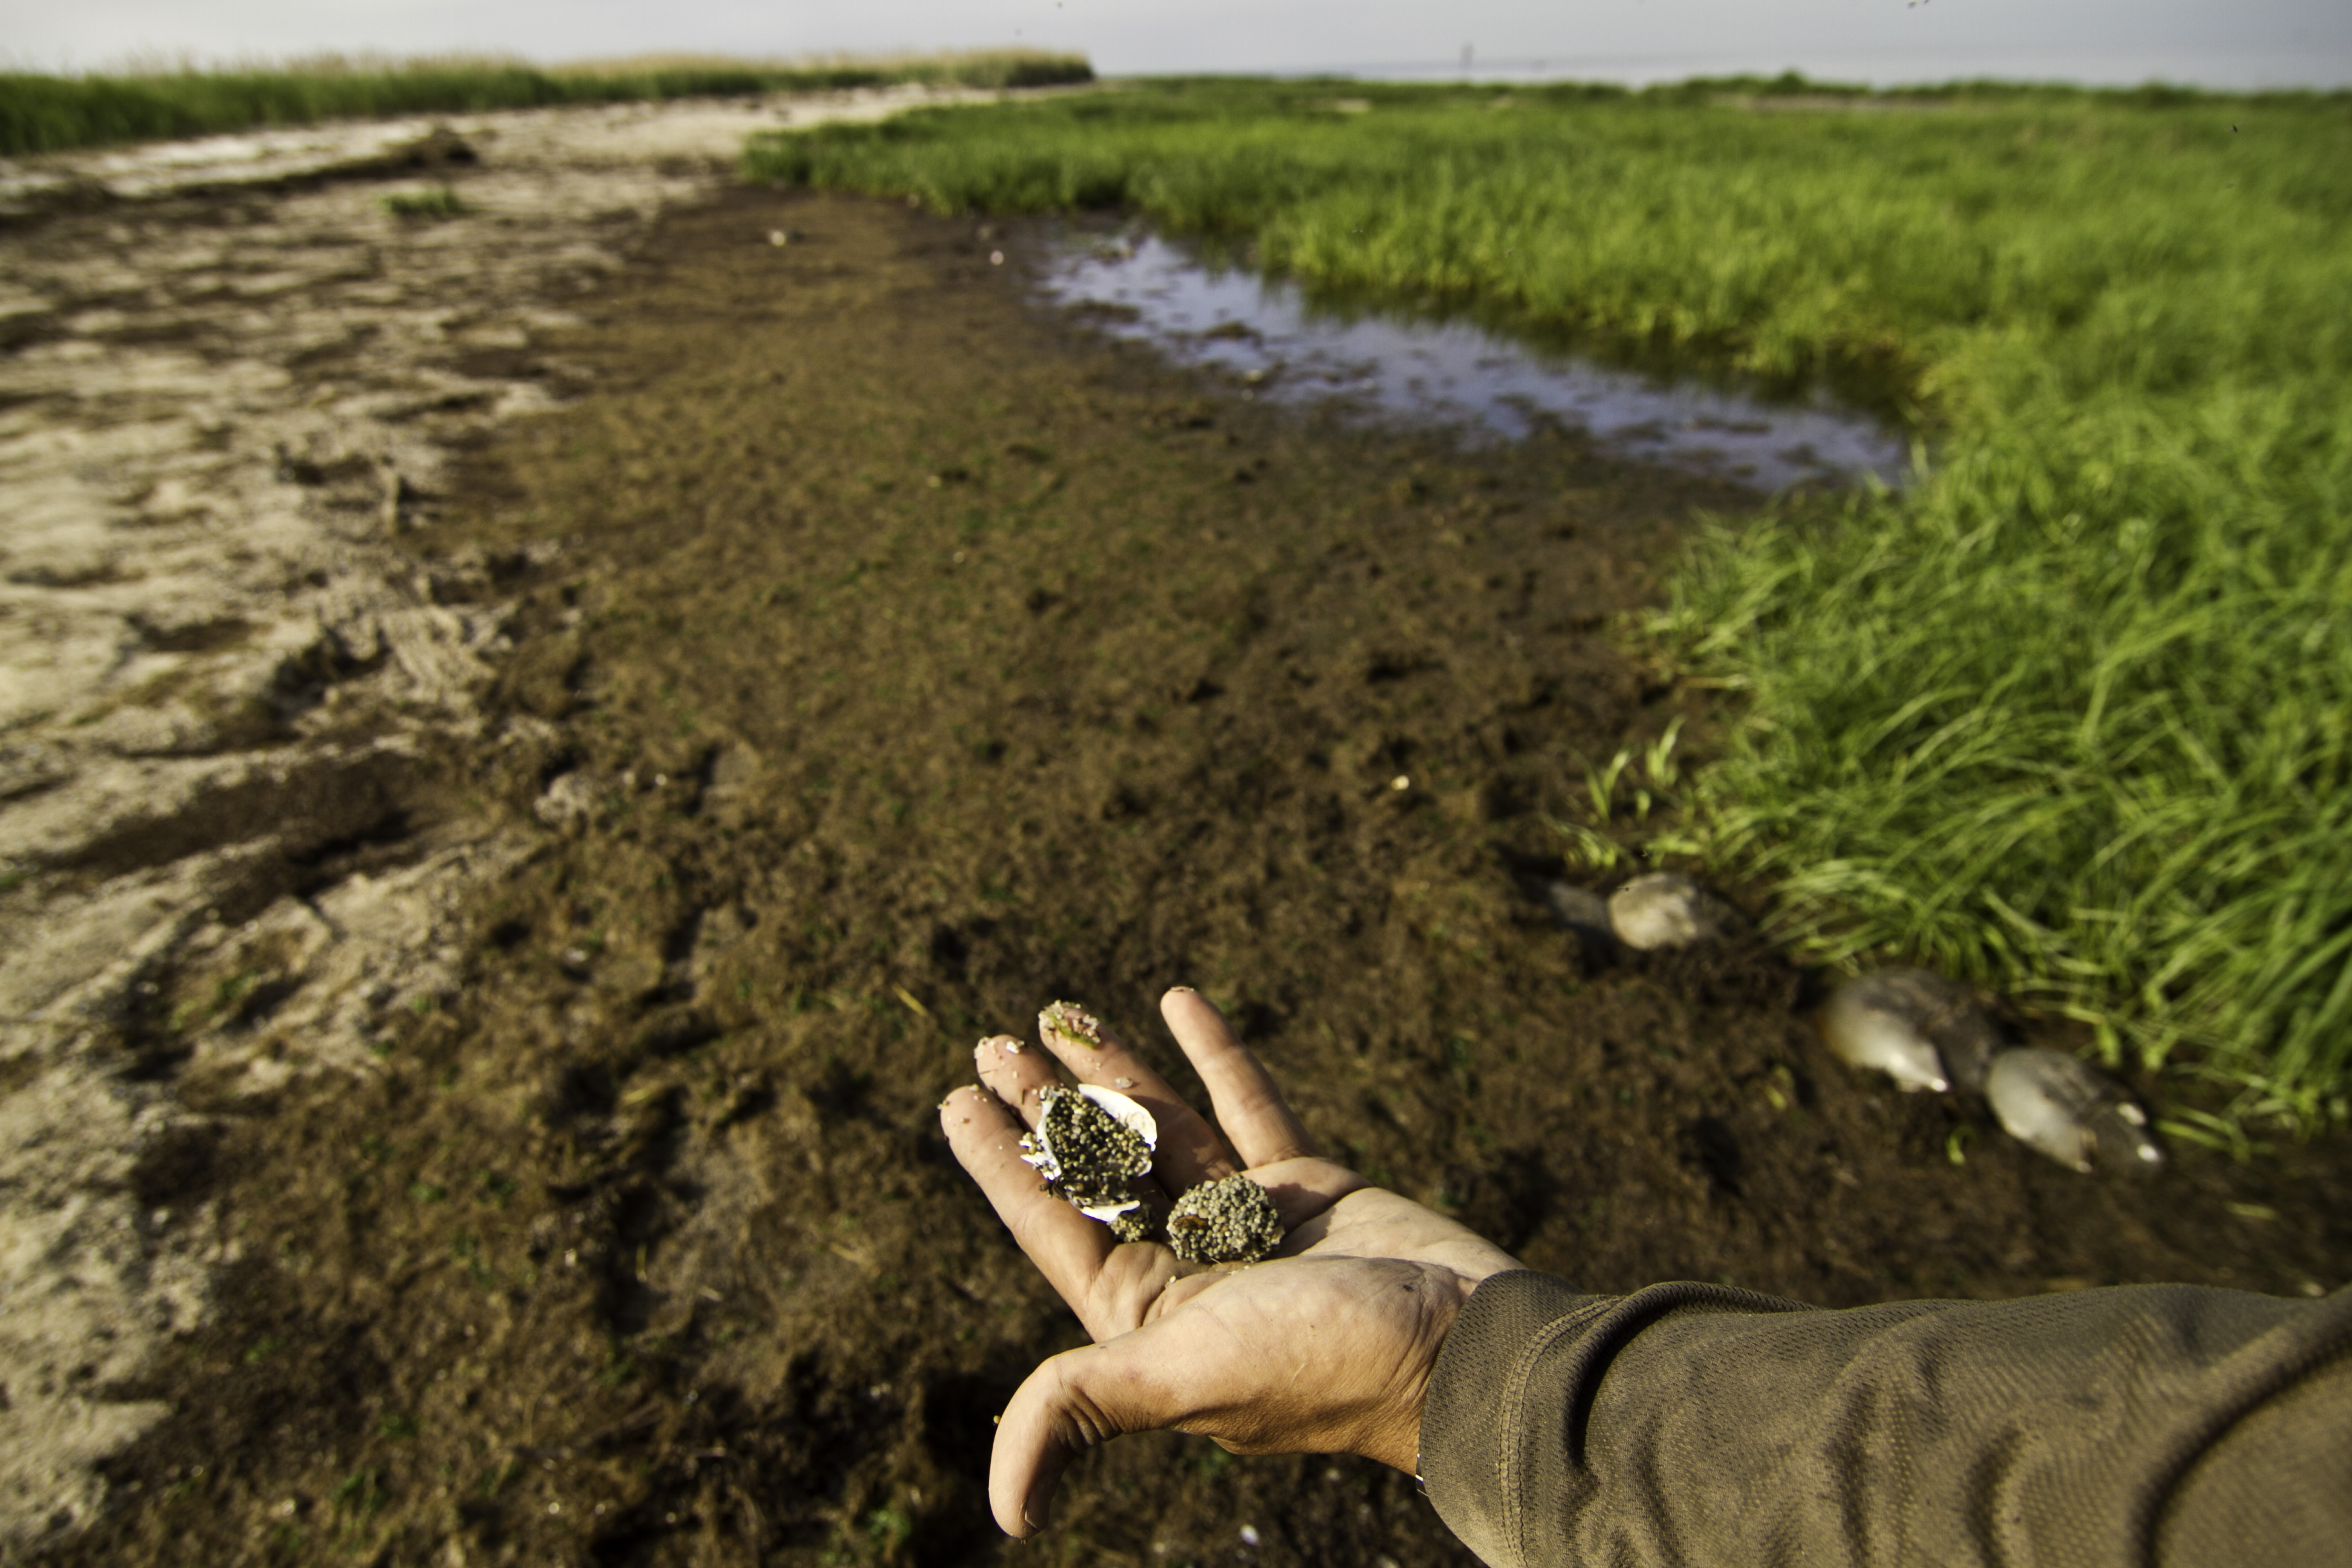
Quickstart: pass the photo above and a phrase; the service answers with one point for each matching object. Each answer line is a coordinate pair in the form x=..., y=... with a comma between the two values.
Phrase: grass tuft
x=433, y=202
x=2071, y=715
x=42, y=113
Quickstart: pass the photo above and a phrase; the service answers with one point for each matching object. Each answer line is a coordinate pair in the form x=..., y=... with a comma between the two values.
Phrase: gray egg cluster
x=1930, y=1033
x=1231, y=1221
x=1092, y=1146
x=1926, y=1033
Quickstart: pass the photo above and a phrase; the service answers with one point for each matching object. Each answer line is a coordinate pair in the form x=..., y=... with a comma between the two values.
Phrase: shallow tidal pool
x=1268, y=334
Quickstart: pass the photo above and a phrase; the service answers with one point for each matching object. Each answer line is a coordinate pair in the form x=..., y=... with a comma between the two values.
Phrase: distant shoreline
x=2322, y=67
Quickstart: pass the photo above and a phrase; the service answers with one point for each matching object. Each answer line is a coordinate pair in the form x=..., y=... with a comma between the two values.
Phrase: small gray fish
x=1920, y=1029
x=2061, y=1106
x=1666, y=909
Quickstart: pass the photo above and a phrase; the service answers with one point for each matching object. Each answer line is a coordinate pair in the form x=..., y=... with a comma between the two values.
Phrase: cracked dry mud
x=832, y=661
x=230, y=386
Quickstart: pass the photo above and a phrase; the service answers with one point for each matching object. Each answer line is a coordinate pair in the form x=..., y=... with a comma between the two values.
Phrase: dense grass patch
x=2070, y=715
x=49, y=113
x=433, y=202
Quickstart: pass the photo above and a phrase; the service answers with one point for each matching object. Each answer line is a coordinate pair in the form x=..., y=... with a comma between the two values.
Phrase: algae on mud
x=641, y=1246
x=2066, y=717
x=224, y=857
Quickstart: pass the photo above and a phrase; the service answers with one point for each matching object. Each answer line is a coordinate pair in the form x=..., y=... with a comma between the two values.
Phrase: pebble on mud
x=1920, y=1029
x=1231, y=1221
x=2061, y=1106
x=1666, y=909
x=570, y=803
x=1090, y=1145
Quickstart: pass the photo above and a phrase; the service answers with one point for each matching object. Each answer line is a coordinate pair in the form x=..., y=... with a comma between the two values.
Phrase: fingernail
x=1067, y=1019
x=1186, y=989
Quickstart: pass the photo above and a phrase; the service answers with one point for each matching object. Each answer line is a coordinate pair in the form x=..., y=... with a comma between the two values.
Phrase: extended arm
x=1693, y=1424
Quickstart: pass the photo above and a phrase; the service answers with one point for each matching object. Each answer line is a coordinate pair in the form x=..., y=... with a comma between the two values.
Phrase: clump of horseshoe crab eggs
x=1092, y=1146
x=1231, y=1221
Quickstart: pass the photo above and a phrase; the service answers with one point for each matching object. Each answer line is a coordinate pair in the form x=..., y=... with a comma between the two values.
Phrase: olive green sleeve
x=1693, y=1425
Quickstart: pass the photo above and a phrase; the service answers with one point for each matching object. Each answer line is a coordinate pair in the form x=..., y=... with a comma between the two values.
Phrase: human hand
x=1327, y=1347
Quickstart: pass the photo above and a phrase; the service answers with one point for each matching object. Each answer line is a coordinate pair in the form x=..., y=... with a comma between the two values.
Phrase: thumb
x=1072, y=1402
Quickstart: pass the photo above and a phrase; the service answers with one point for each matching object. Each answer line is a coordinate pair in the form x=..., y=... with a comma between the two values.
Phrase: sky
x=2218, y=43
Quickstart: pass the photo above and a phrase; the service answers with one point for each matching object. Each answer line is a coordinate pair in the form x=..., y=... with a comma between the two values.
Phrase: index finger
x=1067, y=1248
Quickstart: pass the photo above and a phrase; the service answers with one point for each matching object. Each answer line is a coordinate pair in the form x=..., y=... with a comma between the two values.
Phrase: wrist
x=1396, y=1442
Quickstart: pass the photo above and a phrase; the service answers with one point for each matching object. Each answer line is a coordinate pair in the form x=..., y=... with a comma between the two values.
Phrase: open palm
x=1325, y=1348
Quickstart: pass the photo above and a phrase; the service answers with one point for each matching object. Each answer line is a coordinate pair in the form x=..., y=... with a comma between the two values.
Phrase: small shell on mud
x=2061, y=1106
x=1231, y=1221
x=1920, y=1029
x=1089, y=1144
x=1666, y=909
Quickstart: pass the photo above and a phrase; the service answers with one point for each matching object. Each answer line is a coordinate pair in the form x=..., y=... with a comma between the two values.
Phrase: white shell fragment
x=1920, y=1029
x=1666, y=909
x=1229, y=1221
x=2061, y=1106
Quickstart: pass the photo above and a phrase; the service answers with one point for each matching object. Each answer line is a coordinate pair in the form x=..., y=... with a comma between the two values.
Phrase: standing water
x=1264, y=332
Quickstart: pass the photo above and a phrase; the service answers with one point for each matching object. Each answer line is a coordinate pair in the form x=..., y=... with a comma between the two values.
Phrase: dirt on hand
x=879, y=660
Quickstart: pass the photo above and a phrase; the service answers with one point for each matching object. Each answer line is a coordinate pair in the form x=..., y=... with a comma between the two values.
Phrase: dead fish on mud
x=1920, y=1029
x=1666, y=909
x=1928, y=1033
x=2061, y=1106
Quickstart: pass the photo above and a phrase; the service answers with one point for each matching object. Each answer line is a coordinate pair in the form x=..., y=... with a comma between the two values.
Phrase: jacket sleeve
x=1692, y=1425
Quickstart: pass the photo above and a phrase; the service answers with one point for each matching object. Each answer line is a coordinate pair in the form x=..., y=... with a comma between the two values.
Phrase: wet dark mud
x=912, y=660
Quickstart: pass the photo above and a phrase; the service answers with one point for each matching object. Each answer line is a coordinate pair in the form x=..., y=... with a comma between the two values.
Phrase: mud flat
x=231, y=382
x=844, y=659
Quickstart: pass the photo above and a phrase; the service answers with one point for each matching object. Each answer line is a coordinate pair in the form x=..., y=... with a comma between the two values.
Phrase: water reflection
x=1264, y=332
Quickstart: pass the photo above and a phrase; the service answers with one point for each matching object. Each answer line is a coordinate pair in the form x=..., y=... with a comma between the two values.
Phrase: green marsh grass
x=42, y=113
x=433, y=202
x=2072, y=714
